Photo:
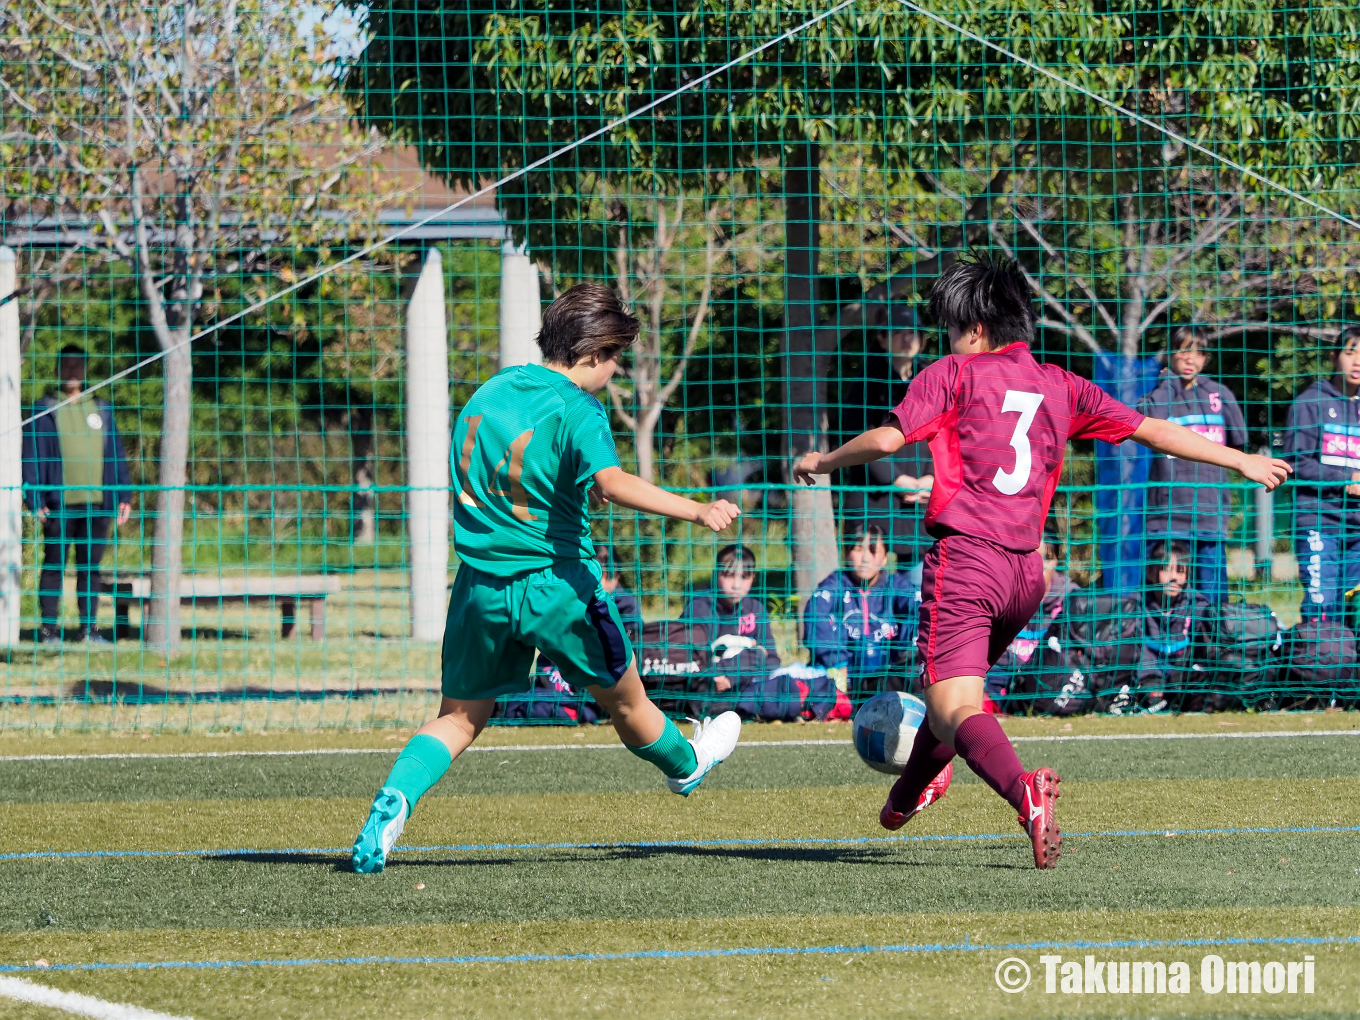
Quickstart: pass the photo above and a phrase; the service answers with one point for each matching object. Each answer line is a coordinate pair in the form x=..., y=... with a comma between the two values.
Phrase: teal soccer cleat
x=386, y=819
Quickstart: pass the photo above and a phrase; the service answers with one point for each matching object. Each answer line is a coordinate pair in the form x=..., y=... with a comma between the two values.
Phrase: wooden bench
x=196, y=589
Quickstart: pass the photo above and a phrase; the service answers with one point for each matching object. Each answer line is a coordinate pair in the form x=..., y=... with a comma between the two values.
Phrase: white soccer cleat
x=713, y=740
x=386, y=818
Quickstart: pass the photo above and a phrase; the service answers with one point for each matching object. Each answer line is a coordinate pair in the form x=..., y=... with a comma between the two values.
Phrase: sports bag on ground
x=1242, y=659
x=1320, y=666
x=672, y=657
x=1091, y=653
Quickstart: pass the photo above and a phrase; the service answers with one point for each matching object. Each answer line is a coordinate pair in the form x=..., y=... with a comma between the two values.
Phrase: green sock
x=670, y=752
x=421, y=762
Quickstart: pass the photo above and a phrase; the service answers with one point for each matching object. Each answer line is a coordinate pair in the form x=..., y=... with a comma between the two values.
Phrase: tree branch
x=1073, y=326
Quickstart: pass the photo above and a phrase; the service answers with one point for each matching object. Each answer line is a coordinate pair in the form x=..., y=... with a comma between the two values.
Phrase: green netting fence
x=275, y=227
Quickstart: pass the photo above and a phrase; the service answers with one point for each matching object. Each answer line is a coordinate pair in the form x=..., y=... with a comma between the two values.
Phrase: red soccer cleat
x=1037, y=817
x=893, y=820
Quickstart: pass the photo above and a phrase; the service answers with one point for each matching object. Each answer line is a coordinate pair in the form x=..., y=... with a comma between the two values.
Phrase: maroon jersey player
x=998, y=423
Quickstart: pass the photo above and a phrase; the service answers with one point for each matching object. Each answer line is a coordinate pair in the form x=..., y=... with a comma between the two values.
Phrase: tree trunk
x=11, y=456
x=167, y=551
x=815, y=550
x=643, y=439
x=363, y=506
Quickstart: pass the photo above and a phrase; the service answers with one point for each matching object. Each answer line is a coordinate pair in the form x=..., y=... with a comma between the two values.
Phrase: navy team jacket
x=862, y=629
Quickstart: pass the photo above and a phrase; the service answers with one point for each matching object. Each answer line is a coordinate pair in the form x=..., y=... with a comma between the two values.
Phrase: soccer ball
x=885, y=728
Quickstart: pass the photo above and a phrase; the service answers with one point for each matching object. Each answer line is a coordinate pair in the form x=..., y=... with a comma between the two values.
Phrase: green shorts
x=496, y=623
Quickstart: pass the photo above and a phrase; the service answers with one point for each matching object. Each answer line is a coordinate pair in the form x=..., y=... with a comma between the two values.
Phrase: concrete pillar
x=427, y=450
x=11, y=469
x=521, y=313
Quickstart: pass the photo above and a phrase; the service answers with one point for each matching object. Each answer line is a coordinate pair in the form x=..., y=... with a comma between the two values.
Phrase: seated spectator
x=1020, y=653
x=1196, y=512
x=630, y=609
x=1175, y=621
x=862, y=620
x=736, y=625
x=1322, y=441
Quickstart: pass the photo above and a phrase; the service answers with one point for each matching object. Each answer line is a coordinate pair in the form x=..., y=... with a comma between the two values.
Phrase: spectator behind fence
x=1322, y=441
x=1021, y=652
x=630, y=609
x=1195, y=512
x=75, y=482
x=736, y=625
x=867, y=388
x=1175, y=622
x=862, y=620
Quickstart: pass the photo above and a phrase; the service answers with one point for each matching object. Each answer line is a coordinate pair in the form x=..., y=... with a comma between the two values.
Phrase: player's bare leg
x=957, y=724
x=425, y=758
x=635, y=719
x=645, y=730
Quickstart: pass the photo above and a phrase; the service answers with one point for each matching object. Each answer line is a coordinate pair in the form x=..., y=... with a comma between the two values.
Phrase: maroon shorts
x=975, y=597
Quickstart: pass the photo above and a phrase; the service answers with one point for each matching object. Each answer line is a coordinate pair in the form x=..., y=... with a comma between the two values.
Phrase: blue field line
x=693, y=954
x=680, y=844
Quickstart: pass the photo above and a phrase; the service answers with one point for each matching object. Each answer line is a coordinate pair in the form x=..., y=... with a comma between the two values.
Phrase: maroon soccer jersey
x=998, y=425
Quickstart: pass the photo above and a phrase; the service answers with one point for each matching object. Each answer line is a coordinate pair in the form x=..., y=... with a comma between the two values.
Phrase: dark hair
x=1349, y=334
x=587, y=320
x=1052, y=539
x=604, y=554
x=1187, y=336
x=1160, y=552
x=857, y=533
x=72, y=351
x=978, y=290
x=729, y=555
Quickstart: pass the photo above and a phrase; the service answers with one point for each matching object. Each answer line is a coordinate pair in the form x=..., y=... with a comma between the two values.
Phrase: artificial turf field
x=533, y=886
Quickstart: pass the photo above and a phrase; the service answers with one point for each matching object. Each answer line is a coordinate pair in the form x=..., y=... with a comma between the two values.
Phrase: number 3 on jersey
x=518, y=497
x=1011, y=482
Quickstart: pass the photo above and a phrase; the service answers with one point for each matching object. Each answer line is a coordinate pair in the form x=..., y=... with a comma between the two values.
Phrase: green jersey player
x=526, y=450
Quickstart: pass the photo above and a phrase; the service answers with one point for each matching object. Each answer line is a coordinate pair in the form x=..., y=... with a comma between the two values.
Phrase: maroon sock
x=928, y=759
x=983, y=744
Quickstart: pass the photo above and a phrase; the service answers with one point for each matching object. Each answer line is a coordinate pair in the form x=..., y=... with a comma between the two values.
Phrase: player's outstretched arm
x=866, y=446
x=619, y=487
x=1178, y=441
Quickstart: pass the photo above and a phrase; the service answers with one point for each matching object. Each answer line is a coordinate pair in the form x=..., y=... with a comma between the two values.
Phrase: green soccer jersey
x=525, y=451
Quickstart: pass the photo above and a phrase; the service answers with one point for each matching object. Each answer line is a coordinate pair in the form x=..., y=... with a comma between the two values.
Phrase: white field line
x=73, y=1002
x=517, y=748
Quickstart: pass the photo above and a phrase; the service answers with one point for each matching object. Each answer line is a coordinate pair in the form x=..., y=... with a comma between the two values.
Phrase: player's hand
x=810, y=465
x=718, y=514
x=922, y=487
x=1269, y=471
x=722, y=683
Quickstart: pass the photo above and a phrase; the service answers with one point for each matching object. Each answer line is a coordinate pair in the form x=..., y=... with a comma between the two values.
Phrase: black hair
x=604, y=552
x=1186, y=336
x=1161, y=551
x=978, y=290
x=857, y=533
x=72, y=351
x=1052, y=539
x=587, y=320
x=728, y=556
x=1158, y=555
x=1348, y=334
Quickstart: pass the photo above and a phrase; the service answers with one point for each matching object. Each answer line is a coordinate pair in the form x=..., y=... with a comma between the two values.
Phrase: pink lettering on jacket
x=1340, y=447
x=1213, y=433
x=746, y=624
